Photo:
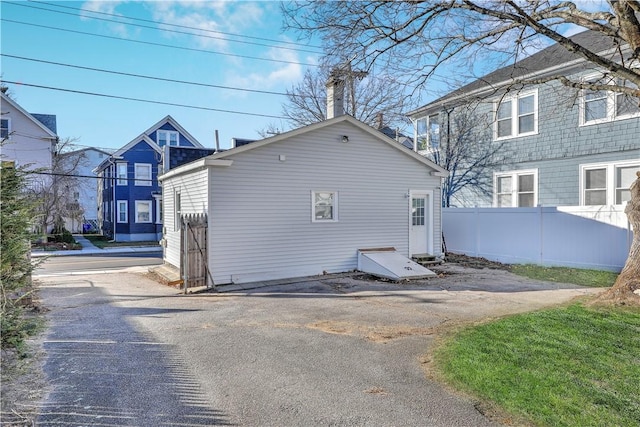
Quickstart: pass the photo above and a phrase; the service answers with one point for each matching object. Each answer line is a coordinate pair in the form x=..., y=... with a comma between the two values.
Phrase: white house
x=304, y=202
x=84, y=195
x=27, y=141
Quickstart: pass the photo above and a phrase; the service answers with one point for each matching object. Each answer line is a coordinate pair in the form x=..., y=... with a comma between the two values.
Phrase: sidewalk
x=89, y=248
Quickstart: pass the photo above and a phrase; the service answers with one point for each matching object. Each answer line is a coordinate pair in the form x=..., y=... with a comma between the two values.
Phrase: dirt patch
x=473, y=262
x=374, y=333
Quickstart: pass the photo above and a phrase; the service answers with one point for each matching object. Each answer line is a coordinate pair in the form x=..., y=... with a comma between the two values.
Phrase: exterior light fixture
x=345, y=138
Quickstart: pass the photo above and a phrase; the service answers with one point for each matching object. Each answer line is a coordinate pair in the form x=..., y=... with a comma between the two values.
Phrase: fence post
x=477, y=227
x=541, y=220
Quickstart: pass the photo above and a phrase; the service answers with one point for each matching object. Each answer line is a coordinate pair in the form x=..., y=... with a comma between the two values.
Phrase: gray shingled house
x=560, y=147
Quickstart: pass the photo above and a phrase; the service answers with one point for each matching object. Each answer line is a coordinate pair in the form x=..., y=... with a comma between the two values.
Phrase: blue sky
x=34, y=30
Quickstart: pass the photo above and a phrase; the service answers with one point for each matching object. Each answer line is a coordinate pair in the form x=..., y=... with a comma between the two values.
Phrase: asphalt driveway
x=336, y=350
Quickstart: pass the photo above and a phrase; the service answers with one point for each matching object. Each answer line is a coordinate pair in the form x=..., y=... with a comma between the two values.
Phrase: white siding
x=28, y=144
x=193, y=190
x=260, y=215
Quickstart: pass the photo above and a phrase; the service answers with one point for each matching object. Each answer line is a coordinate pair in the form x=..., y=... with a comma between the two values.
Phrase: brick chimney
x=335, y=96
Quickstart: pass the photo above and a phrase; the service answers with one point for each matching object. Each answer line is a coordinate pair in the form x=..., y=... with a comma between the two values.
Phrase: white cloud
x=278, y=77
x=102, y=6
x=211, y=16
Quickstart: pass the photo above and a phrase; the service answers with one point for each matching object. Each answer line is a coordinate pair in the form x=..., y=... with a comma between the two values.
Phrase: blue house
x=129, y=196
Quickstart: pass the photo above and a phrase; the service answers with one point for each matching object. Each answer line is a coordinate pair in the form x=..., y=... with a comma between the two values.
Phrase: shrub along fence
x=548, y=236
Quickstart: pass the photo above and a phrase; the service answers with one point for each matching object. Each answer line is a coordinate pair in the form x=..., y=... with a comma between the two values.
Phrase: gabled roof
x=45, y=129
x=221, y=158
x=553, y=61
x=176, y=125
x=135, y=141
x=74, y=152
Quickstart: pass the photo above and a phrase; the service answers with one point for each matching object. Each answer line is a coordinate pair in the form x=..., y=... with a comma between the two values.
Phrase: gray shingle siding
x=560, y=146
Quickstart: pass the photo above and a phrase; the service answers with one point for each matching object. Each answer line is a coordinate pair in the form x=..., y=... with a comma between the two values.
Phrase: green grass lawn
x=578, y=276
x=570, y=366
x=102, y=242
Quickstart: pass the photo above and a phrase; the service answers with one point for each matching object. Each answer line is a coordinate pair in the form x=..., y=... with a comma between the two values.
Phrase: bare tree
x=413, y=40
x=54, y=189
x=367, y=98
x=464, y=146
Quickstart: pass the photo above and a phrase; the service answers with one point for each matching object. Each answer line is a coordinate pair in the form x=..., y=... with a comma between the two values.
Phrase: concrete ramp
x=389, y=264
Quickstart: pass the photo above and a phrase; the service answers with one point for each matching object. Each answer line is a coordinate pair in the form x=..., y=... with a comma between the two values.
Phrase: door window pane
x=417, y=211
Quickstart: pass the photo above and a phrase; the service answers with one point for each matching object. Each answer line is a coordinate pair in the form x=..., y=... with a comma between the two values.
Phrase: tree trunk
x=626, y=289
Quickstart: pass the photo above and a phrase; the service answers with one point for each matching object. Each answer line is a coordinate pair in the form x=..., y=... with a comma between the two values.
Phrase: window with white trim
x=516, y=115
x=143, y=211
x=599, y=106
x=121, y=172
x=177, y=210
x=607, y=183
x=428, y=132
x=158, y=201
x=5, y=128
x=515, y=189
x=143, y=174
x=123, y=216
x=168, y=137
x=325, y=206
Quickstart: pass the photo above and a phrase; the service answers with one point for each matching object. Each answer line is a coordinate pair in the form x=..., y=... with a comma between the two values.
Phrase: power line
x=122, y=73
x=282, y=61
x=104, y=95
x=164, y=29
x=175, y=25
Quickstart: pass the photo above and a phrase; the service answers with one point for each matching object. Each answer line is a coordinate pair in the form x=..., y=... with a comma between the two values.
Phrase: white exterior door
x=419, y=223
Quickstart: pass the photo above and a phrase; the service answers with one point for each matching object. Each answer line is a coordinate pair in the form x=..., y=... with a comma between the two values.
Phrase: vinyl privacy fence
x=551, y=236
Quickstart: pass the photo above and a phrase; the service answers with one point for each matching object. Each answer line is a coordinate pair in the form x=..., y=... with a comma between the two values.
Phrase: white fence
x=552, y=236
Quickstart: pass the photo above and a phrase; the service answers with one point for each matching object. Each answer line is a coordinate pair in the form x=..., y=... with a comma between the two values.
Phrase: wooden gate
x=193, y=268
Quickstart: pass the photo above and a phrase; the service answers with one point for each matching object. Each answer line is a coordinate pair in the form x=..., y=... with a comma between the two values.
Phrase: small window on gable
x=325, y=205
x=143, y=174
x=516, y=115
x=168, y=137
x=5, y=128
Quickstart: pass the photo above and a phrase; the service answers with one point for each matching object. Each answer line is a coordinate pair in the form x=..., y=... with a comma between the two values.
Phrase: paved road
x=89, y=263
x=123, y=350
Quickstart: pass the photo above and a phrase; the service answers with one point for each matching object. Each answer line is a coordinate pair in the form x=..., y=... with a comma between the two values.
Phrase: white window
x=158, y=210
x=605, y=106
x=5, y=128
x=516, y=115
x=168, y=137
x=177, y=206
x=516, y=189
x=143, y=174
x=607, y=183
x=122, y=213
x=143, y=211
x=418, y=211
x=428, y=132
x=121, y=172
x=325, y=206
